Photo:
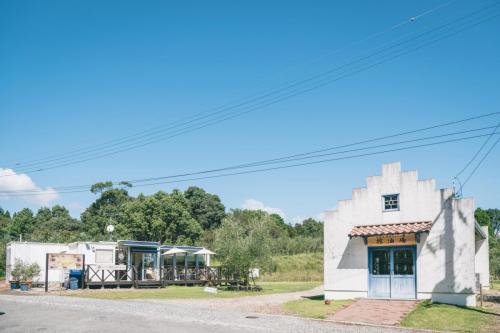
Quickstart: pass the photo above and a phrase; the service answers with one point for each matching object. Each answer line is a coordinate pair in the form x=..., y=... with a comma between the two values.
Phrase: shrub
x=24, y=272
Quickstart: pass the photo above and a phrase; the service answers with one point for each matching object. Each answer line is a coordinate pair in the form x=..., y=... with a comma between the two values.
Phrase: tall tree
x=206, y=208
x=164, y=218
x=5, y=221
x=56, y=225
x=22, y=224
x=309, y=228
x=244, y=242
x=109, y=208
x=490, y=218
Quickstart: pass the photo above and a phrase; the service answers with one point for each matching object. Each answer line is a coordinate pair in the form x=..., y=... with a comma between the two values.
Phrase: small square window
x=391, y=202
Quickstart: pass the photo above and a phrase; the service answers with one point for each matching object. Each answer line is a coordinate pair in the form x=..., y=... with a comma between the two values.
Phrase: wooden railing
x=94, y=276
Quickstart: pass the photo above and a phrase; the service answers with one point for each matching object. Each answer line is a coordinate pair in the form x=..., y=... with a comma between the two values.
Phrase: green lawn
x=172, y=292
x=446, y=317
x=495, y=285
x=314, y=307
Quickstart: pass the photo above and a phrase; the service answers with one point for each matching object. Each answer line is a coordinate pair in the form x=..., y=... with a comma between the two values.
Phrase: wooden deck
x=108, y=278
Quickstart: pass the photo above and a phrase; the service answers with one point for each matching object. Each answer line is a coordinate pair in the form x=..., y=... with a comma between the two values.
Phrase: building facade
x=401, y=238
x=145, y=258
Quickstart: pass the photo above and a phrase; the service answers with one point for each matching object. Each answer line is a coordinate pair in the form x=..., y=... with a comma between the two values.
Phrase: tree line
x=190, y=217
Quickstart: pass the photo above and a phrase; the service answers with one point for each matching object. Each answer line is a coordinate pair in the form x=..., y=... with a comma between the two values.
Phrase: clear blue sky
x=76, y=73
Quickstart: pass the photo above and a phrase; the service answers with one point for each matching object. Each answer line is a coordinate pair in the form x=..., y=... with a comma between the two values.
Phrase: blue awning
x=129, y=243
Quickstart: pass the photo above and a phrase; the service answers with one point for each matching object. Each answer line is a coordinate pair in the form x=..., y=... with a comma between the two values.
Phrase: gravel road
x=69, y=314
x=269, y=304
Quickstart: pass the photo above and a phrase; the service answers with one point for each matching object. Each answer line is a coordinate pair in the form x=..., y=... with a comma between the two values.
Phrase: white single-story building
x=34, y=252
x=401, y=238
x=147, y=259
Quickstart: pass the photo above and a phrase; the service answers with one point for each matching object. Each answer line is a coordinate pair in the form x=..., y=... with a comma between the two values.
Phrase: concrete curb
x=349, y=323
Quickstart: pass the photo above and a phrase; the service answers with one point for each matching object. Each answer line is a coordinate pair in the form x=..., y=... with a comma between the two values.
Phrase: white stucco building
x=400, y=237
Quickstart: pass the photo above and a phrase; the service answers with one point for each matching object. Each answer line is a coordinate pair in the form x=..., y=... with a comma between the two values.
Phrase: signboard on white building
x=65, y=261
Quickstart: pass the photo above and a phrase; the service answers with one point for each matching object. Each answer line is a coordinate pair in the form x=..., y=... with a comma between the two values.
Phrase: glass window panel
x=391, y=202
x=381, y=264
x=403, y=262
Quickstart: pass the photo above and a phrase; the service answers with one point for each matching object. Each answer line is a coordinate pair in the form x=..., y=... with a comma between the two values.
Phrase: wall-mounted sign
x=65, y=261
x=110, y=267
x=392, y=240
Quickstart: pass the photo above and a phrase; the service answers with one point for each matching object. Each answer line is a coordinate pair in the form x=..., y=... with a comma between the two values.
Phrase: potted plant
x=15, y=274
x=28, y=272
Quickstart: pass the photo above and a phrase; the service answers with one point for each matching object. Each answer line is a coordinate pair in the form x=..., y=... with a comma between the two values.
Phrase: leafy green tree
x=279, y=228
x=109, y=208
x=101, y=187
x=490, y=218
x=309, y=228
x=164, y=218
x=244, y=241
x=5, y=221
x=22, y=224
x=56, y=225
x=206, y=208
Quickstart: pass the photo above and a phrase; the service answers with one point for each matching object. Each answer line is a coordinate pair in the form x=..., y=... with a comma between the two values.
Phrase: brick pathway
x=374, y=311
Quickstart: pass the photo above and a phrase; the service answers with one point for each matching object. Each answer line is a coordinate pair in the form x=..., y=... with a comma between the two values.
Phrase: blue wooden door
x=403, y=273
x=380, y=273
x=391, y=272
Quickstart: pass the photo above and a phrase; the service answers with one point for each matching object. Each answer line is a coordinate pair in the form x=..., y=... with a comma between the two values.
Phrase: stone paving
x=375, y=311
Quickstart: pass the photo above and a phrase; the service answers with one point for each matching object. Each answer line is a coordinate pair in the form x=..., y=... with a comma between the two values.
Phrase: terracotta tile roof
x=390, y=229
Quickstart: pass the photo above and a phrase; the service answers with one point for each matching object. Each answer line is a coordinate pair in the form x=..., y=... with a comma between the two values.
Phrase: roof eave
x=479, y=231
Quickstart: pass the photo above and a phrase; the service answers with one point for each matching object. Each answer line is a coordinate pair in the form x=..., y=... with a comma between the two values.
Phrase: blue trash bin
x=77, y=274
x=73, y=283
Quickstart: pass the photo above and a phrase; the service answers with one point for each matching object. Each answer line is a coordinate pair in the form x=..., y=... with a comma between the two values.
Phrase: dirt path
x=270, y=304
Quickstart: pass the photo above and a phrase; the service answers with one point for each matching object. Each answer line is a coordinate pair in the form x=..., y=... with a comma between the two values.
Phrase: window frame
x=384, y=196
x=107, y=251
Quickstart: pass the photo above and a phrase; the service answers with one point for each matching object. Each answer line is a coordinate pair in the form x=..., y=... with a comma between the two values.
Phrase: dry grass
x=298, y=267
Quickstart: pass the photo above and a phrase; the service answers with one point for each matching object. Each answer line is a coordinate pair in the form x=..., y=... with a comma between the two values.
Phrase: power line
x=478, y=151
x=479, y=164
x=275, y=167
x=283, y=167
x=169, y=126
x=357, y=143
x=267, y=103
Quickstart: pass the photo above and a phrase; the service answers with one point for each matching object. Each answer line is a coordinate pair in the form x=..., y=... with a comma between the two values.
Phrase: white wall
x=445, y=258
x=89, y=250
x=36, y=252
x=482, y=259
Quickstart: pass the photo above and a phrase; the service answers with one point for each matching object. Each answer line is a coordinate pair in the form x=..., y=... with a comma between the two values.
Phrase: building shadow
x=351, y=258
x=447, y=243
x=315, y=298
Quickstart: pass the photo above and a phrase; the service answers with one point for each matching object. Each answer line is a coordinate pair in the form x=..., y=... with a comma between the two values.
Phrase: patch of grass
x=298, y=267
x=435, y=316
x=181, y=292
x=495, y=285
x=314, y=307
